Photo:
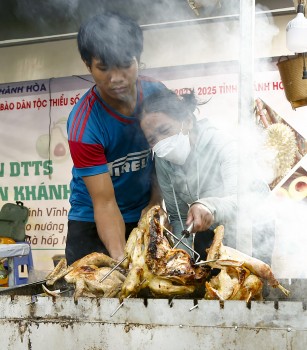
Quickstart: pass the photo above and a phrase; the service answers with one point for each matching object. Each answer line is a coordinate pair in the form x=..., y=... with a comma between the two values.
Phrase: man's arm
x=108, y=218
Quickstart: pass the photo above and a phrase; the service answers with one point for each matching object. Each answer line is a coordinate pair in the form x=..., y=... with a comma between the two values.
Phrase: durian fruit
x=281, y=140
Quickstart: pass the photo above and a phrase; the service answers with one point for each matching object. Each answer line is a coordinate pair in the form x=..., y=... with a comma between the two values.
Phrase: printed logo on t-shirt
x=131, y=162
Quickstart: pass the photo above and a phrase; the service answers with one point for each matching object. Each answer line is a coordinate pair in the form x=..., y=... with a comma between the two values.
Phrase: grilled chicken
x=241, y=275
x=97, y=259
x=87, y=281
x=234, y=283
x=153, y=263
x=59, y=271
x=86, y=274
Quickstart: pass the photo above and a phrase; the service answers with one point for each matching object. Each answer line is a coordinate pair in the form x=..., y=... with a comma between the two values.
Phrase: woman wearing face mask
x=196, y=167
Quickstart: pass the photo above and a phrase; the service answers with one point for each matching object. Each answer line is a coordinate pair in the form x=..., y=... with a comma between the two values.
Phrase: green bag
x=13, y=219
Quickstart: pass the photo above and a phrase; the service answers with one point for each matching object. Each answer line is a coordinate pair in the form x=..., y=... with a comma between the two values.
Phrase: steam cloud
x=290, y=216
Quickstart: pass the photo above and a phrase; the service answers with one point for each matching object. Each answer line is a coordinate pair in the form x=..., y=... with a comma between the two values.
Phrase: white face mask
x=175, y=148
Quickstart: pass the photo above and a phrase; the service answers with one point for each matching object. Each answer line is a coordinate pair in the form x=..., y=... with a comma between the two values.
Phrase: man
x=111, y=176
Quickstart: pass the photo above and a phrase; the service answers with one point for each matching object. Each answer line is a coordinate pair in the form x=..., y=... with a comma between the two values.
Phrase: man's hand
x=201, y=217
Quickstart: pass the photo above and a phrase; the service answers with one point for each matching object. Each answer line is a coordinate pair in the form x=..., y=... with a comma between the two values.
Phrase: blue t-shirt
x=102, y=140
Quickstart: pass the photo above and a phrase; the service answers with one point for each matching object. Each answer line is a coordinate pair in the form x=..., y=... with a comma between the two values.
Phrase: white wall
x=187, y=44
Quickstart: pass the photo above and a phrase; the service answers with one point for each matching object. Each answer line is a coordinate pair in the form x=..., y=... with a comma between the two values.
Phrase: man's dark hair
x=110, y=38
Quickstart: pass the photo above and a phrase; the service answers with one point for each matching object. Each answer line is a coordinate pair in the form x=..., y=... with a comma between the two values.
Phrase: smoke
x=265, y=32
x=290, y=257
x=49, y=11
x=278, y=217
x=278, y=223
x=51, y=17
x=217, y=41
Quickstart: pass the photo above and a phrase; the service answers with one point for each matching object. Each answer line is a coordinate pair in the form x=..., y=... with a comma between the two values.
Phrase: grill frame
x=151, y=323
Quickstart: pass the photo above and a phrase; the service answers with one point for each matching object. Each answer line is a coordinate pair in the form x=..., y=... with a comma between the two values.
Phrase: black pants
x=83, y=239
x=203, y=241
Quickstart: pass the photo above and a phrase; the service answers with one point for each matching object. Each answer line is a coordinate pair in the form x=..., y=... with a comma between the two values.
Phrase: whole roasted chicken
x=86, y=275
x=241, y=276
x=153, y=263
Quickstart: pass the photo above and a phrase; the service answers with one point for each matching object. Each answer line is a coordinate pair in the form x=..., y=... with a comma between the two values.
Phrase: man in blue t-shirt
x=113, y=170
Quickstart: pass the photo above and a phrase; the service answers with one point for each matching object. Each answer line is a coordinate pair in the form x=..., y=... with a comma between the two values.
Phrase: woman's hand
x=201, y=217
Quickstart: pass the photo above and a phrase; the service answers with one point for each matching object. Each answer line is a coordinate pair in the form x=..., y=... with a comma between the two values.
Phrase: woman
x=196, y=167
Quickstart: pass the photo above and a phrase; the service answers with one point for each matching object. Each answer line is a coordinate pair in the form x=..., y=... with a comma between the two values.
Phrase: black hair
x=178, y=107
x=110, y=38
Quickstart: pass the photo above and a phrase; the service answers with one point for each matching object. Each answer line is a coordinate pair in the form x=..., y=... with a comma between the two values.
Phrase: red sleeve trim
x=81, y=117
x=86, y=155
x=92, y=101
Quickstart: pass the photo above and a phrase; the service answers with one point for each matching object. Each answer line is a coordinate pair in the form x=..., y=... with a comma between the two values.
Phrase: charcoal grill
x=276, y=323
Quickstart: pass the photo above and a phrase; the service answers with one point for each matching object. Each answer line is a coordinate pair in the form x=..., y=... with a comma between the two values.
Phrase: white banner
x=29, y=172
x=36, y=168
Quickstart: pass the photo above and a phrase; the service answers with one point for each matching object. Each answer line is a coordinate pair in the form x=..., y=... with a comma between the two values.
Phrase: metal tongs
x=185, y=233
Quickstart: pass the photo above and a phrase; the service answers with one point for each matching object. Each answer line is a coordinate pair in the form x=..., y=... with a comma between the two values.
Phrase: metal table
x=9, y=251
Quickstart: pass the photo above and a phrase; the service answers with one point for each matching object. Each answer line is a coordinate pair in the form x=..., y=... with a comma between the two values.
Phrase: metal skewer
x=193, y=307
x=113, y=268
x=34, y=296
x=119, y=306
x=122, y=303
x=205, y=262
